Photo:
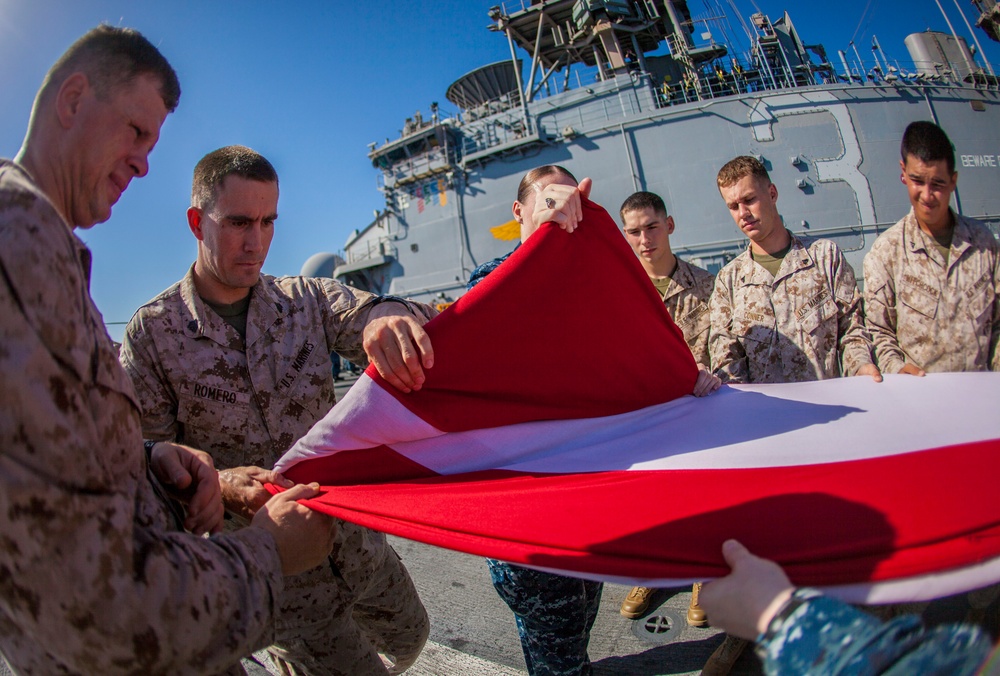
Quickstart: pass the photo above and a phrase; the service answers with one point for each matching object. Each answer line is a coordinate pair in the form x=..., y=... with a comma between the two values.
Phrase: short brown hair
x=214, y=167
x=739, y=168
x=112, y=57
x=537, y=174
x=638, y=201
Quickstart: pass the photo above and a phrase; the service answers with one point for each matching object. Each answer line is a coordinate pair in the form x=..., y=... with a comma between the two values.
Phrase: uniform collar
x=917, y=240
x=754, y=274
x=265, y=309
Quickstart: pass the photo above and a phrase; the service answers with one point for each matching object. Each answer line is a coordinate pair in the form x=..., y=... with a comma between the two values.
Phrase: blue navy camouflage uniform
x=815, y=634
x=554, y=613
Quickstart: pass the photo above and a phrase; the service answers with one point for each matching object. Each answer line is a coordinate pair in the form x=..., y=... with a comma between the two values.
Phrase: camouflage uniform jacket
x=197, y=384
x=805, y=323
x=95, y=577
x=814, y=634
x=687, y=299
x=919, y=311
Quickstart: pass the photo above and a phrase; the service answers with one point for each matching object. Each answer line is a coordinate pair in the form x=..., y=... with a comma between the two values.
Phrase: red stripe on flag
x=524, y=323
x=877, y=519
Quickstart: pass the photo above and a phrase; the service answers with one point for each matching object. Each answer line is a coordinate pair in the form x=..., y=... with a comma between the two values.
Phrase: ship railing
x=635, y=94
x=370, y=249
x=430, y=163
x=981, y=75
x=485, y=133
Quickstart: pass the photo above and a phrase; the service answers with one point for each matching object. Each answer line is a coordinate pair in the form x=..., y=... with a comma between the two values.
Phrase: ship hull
x=832, y=151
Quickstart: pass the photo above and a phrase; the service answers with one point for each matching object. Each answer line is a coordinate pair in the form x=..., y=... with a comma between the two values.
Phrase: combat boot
x=696, y=614
x=636, y=603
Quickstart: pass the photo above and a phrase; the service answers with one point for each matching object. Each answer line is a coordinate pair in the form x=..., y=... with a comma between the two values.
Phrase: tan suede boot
x=696, y=615
x=636, y=603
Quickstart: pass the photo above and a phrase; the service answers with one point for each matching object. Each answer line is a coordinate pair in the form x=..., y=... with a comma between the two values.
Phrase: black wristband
x=389, y=299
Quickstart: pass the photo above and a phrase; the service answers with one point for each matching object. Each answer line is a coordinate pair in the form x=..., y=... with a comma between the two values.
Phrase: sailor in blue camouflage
x=554, y=613
x=814, y=634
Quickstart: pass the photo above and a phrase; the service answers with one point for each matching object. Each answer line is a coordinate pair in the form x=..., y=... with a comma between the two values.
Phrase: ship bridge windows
x=423, y=153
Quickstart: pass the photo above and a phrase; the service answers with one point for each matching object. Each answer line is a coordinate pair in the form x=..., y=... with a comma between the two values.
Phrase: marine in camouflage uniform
x=246, y=398
x=686, y=299
x=96, y=574
x=932, y=281
x=814, y=634
x=805, y=323
x=685, y=288
x=940, y=316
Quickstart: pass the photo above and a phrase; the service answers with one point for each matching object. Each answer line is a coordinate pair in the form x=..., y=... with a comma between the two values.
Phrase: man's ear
x=70, y=98
x=194, y=217
x=670, y=225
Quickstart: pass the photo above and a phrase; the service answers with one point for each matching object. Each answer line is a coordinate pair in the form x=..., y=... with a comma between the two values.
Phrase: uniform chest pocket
x=918, y=298
x=753, y=328
x=208, y=415
x=816, y=311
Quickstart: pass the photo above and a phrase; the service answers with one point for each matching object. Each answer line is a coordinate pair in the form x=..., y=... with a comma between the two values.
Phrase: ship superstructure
x=639, y=95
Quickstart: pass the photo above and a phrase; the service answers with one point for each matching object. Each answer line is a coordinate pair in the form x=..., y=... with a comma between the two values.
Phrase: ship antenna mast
x=979, y=47
x=965, y=54
x=502, y=23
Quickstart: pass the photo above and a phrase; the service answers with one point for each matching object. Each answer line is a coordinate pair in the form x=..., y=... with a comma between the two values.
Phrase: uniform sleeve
x=880, y=314
x=699, y=349
x=93, y=581
x=995, y=332
x=729, y=359
x=159, y=403
x=348, y=311
x=825, y=636
x=854, y=345
x=699, y=346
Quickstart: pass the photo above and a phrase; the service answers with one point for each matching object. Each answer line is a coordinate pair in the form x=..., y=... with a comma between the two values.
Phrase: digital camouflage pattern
x=920, y=311
x=803, y=324
x=554, y=615
x=686, y=299
x=198, y=385
x=95, y=577
x=814, y=634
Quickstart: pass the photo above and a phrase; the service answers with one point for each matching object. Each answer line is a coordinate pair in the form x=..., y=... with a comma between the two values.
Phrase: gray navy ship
x=638, y=95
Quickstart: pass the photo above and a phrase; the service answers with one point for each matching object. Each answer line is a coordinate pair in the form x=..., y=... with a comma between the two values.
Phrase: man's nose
x=253, y=241
x=139, y=163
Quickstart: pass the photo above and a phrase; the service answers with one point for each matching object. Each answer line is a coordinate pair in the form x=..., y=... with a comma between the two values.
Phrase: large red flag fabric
x=555, y=430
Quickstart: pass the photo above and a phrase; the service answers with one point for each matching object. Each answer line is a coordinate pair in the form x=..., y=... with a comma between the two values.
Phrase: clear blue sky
x=309, y=85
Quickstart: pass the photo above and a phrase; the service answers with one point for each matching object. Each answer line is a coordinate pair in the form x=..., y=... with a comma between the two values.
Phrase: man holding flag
x=237, y=363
